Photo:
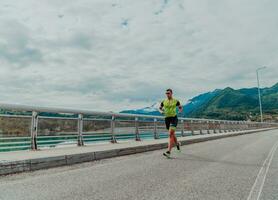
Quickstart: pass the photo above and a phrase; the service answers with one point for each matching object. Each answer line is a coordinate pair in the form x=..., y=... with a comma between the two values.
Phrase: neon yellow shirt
x=170, y=107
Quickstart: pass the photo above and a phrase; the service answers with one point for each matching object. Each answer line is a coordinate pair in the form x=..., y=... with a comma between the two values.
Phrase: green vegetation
x=240, y=104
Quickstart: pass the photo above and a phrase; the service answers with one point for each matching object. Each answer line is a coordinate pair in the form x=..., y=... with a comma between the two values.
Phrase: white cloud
x=118, y=54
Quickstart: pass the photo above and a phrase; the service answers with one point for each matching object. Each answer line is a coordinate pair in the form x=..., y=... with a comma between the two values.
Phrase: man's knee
x=172, y=132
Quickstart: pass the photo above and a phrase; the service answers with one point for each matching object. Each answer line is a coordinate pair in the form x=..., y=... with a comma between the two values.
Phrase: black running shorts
x=171, y=122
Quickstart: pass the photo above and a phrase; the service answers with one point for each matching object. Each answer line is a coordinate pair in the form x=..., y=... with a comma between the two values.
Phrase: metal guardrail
x=33, y=130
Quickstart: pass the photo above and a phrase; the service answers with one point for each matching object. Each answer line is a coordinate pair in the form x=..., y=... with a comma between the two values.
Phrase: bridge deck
x=217, y=169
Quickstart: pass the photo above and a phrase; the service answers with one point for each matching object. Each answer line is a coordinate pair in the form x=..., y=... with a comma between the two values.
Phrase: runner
x=168, y=107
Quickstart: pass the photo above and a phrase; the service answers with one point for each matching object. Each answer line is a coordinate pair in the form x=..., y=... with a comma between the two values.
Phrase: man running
x=168, y=107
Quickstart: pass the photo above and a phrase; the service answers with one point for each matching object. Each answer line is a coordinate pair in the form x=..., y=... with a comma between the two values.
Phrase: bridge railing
x=40, y=127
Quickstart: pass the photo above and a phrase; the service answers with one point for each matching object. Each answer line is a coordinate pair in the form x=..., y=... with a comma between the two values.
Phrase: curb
x=13, y=167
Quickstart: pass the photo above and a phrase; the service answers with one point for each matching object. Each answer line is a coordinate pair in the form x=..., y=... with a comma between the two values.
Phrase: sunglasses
x=167, y=93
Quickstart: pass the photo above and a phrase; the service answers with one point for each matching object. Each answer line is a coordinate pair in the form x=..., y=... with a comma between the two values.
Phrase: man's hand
x=161, y=110
x=180, y=109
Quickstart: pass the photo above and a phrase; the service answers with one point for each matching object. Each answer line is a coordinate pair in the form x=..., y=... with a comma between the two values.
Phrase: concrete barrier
x=79, y=158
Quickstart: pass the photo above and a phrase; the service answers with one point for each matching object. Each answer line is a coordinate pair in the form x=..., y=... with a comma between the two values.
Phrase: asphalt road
x=242, y=167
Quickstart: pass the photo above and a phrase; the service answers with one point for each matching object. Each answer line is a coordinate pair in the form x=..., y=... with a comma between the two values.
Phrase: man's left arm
x=179, y=106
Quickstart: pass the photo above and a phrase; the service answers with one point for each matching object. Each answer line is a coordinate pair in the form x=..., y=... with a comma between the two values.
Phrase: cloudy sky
x=120, y=54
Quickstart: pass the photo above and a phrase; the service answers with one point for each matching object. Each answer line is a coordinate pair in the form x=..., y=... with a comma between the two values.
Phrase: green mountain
x=240, y=104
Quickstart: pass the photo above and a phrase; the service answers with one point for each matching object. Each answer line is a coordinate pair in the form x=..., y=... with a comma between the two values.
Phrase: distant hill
x=228, y=103
x=195, y=103
x=240, y=104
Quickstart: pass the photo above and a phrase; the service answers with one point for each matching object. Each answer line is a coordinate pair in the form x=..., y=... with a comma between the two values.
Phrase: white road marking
x=270, y=160
x=257, y=187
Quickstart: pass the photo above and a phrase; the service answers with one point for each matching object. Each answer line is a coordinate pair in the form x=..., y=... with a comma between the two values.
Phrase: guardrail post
x=80, y=141
x=34, y=130
x=137, y=135
x=201, y=127
x=192, y=130
x=208, y=127
x=239, y=126
x=113, y=138
x=155, y=129
x=182, y=128
x=219, y=124
x=214, y=127
x=246, y=126
x=225, y=126
x=235, y=126
x=229, y=126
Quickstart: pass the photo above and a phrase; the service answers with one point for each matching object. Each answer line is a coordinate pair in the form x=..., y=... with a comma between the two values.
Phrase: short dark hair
x=169, y=90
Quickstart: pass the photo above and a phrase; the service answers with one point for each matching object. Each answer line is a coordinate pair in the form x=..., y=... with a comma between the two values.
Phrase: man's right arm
x=161, y=110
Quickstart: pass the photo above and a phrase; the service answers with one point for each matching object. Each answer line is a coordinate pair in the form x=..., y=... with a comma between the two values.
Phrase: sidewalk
x=23, y=161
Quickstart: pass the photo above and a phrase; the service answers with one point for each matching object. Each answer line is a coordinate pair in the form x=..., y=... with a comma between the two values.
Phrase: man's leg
x=172, y=136
x=177, y=144
x=175, y=139
x=172, y=139
x=175, y=125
